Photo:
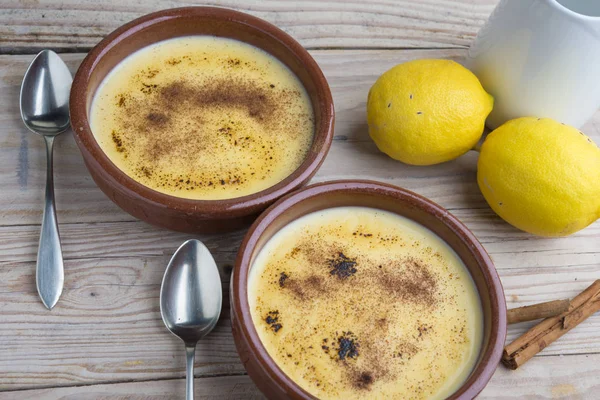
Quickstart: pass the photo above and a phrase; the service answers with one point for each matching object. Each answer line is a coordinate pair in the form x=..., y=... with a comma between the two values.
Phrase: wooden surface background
x=105, y=338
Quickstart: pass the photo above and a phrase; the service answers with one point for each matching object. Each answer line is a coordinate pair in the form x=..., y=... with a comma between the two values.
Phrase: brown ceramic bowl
x=260, y=366
x=170, y=211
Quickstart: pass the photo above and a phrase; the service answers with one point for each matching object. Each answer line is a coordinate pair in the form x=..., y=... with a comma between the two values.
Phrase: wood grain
x=224, y=387
x=508, y=247
x=575, y=379
x=106, y=333
x=26, y=26
x=107, y=325
x=107, y=328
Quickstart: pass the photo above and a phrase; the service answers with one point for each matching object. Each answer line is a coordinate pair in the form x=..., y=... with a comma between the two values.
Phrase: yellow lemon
x=427, y=112
x=541, y=176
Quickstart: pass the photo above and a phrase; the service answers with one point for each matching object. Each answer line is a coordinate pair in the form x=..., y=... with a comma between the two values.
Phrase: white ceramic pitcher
x=540, y=58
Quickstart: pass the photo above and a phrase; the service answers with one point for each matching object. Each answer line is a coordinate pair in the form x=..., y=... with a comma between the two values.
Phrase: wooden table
x=105, y=338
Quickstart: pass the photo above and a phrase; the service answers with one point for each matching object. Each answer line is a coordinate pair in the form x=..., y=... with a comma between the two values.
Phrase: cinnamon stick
x=537, y=311
x=546, y=332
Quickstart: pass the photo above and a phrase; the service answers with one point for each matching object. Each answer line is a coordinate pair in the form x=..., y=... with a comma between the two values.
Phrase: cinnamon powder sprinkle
x=416, y=283
x=212, y=118
x=158, y=142
x=116, y=138
x=364, y=380
x=364, y=303
x=305, y=289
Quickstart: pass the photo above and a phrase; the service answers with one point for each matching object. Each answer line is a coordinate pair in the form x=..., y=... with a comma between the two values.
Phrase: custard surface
x=355, y=302
x=203, y=117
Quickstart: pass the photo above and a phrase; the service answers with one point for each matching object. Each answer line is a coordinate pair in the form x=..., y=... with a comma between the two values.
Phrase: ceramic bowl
x=170, y=211
x=260, y=366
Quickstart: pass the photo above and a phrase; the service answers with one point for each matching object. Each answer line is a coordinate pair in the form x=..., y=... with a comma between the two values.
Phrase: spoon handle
x=190, y=352
x=49, y=269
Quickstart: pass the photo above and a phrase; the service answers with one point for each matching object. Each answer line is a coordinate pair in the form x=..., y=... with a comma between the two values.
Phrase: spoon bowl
x=191, y=299
x=44, y=96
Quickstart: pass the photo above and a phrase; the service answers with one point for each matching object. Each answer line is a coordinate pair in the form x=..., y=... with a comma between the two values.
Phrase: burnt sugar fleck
x=204, y=118
x=347, y=346
x=282, y=278
x=374, y=306
x=272, y=320
x=341, y=266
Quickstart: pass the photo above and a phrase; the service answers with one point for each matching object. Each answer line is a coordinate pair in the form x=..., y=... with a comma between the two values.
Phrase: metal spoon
x=191, y=299
x=45, y=110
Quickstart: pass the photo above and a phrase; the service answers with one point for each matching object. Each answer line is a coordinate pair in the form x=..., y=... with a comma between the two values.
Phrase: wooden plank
x=106, y=328
x=27, y=26
x=508, y=247
x=107, y=325
x=226, y=387
x=107, y=240
x=576, y=379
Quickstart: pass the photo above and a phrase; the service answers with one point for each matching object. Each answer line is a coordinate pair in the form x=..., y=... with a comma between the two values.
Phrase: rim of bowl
x=224, y=208
x=489, y=357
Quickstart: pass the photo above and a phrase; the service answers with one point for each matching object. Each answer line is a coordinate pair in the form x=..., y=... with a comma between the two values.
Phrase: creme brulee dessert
x=355, y=302
x=203, y=117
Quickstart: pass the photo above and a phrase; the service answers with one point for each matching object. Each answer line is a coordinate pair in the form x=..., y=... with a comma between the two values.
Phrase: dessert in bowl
x=196, y=119
x=357, y=289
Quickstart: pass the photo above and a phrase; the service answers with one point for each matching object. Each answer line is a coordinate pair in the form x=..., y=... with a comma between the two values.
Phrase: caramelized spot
x=347, y=346
x=282, y=278
x=272, y=319
x=342, y=266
